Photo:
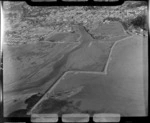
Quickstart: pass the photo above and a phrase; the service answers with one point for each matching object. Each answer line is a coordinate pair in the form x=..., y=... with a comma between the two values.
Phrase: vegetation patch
x=138, y=22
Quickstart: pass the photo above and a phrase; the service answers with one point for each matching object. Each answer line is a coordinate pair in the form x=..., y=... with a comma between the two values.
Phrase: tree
x=140, y=22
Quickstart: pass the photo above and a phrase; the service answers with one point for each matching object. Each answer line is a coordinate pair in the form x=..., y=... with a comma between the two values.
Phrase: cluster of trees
x=141, y=21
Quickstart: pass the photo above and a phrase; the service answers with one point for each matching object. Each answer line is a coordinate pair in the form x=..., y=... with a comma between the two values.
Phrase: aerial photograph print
x=75, y=59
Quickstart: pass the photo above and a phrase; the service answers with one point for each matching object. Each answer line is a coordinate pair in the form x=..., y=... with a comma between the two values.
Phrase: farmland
x=66, y=52
x=121, y=88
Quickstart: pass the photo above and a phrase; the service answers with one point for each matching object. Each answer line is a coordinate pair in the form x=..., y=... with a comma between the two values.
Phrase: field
x=121, y=90
x=109, y=29
x=27, y=66
x=35, y=68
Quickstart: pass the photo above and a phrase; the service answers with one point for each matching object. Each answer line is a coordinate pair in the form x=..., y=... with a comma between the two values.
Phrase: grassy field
x=28, y=65
x=34, y=68
x=120, y=91
x=109, y=29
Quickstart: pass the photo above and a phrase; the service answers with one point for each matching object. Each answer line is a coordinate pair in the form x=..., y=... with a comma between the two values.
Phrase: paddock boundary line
x=107, y=63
